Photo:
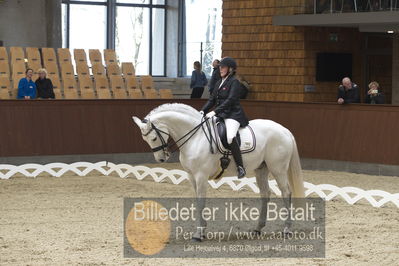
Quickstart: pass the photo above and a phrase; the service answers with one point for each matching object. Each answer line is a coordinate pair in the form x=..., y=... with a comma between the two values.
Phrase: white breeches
x=232, y=127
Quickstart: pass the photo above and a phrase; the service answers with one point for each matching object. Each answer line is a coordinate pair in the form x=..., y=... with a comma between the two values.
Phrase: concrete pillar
x=53, y=23
x=21, y=23
x=395, y=70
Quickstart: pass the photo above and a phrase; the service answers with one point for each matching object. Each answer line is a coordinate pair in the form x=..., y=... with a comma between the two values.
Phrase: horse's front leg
x=201, y=186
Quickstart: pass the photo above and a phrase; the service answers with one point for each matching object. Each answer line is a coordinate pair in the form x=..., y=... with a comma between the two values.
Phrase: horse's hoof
x=287, y=233
x=256, y=232
x=196, y=239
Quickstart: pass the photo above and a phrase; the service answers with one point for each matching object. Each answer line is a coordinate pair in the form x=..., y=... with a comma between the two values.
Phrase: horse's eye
x=154, y=139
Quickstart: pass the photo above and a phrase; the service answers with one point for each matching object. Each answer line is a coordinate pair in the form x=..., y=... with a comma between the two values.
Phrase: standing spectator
x=374, y=94
x=348, y=92
x=215, y=76
x=44, y=85
x=26, y=87
x=198, y=81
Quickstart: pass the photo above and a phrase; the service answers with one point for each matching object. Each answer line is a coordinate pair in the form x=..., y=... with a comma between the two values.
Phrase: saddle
x=245, y=137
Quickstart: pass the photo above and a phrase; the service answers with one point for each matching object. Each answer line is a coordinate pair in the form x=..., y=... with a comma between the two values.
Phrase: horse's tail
x=295, y=173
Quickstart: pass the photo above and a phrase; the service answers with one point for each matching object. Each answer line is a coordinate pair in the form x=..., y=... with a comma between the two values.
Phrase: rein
x=165, y=145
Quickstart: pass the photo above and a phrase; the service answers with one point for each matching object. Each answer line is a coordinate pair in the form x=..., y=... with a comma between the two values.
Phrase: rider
x=226, y=99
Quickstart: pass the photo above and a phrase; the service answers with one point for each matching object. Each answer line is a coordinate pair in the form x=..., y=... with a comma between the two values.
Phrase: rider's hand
x=210, y=114
x=202, y=113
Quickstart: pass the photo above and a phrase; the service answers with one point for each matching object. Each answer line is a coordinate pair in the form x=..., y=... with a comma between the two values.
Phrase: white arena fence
x=376, y=198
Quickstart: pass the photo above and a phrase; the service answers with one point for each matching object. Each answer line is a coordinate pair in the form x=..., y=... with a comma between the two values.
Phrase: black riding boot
x=235, y=150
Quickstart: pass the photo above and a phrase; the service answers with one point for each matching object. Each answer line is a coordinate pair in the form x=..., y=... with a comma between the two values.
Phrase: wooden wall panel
x=270, y=57
x=359, y=133
x=318, y=40
x=280, y=60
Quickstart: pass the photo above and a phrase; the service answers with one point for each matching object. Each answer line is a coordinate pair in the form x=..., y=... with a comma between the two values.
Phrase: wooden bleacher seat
x=5, y=69
x=64, y=55
x=35, y=76
x=80, y=56
x=133, y=88
x=131, y=83
x=128, y=69
x=32, y=54
x=118, y=87
x=35, y=66
x=82, y=69
x=147, y=83
x=110, y=57
x=34, y=60
x=15, y=81
x=70, y=88
x=166, y=94
x=48, y=56
x=102, y=88
x=136, y=94
x=52, y=68
x=3, y=54
x=151, y=94
x=56, y=85
x=98, y=70
x=17, y=55
x=5, y=88
x=86, y=87
x=18, y=68
x=113, y=70
x=95, y=56
x=67, y=71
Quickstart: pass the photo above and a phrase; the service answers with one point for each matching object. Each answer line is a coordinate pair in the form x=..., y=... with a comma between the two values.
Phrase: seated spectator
x=374, y=94
x=44, y=86
x=348, y=92
x=26, y=87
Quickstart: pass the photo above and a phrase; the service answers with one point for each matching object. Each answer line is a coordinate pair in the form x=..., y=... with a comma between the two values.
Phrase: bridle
x=164, y=144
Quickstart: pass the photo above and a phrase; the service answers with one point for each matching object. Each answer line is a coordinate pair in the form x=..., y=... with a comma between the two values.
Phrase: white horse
x=276, y=151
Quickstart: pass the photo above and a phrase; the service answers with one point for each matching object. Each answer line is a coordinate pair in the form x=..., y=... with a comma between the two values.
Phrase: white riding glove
x=210, y=114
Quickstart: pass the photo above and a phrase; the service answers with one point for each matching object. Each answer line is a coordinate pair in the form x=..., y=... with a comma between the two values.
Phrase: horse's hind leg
x=282, y=182
x=263, y=183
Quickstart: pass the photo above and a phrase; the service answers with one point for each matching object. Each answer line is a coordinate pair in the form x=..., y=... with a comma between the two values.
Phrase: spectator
x=198, y=81
x=26, y=87
x=374, y=94
x=348, y=92
x=44, y=85
x=215, y=76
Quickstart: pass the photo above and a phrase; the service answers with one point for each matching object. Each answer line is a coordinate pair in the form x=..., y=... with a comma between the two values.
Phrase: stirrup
x=241, y=172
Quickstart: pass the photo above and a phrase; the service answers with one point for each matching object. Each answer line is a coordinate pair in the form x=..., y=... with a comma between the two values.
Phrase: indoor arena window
x=203, y=33
x=136, y=29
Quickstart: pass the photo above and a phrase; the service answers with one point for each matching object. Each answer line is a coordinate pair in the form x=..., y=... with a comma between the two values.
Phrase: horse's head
x=156, y=136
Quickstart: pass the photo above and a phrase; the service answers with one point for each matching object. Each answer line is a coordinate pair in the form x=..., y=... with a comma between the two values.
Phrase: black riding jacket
x=226, y=99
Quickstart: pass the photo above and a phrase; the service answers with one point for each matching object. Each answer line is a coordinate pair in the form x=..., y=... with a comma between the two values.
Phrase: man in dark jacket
x=348, y=92
x=226, y=100
x=215, y=76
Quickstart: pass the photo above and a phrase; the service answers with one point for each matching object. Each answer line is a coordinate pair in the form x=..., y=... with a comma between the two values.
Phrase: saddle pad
x=247, y=135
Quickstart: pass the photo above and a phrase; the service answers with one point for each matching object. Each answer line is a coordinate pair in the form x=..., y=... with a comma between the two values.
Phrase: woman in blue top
x=198, y=81
x=26, y=86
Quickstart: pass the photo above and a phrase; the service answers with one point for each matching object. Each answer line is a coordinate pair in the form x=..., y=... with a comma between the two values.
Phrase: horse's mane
x=174, y=107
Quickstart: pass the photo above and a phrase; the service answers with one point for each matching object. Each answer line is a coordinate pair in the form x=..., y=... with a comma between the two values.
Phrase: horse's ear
x=138, y=122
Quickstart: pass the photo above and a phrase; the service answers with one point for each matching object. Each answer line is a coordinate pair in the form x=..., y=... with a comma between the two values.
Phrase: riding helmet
x=228, y=62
